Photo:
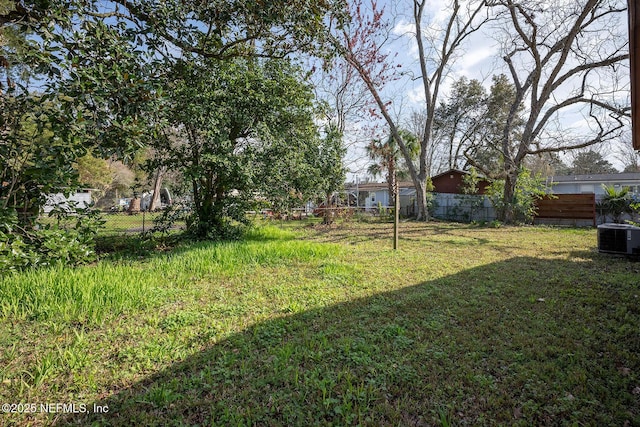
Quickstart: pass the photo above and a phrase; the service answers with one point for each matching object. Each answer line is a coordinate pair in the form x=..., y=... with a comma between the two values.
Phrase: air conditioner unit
x=619, y=239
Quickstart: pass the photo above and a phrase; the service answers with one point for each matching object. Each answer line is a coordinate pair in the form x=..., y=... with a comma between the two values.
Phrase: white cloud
x=404, y=28
x=416, y=95
x=475, y=59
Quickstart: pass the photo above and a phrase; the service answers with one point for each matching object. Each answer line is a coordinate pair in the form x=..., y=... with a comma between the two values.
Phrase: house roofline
x=376, y=186
x=481, y=176
x=595, y=178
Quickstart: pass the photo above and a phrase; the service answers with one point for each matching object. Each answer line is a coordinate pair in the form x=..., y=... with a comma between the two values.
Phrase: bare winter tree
x=346, y=101
x=627, y=155
x=362, y=41
x=344, y=93
x=565, y=59
x=437, y=160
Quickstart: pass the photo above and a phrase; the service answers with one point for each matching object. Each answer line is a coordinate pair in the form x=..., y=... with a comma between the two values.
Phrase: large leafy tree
x=69, y=84
x=34, y=158
x=101, y=64
x=469, y=125
x=217, y=29
x=237, y=130
x=115, y=52
x=458, y=119
x=483, y=149
x=329, y=162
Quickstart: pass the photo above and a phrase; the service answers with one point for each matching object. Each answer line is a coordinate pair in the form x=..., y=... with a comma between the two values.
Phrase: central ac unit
x=619, y=239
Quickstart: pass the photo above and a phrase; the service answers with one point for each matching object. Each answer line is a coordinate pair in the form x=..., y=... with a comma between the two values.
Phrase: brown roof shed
x=451, y=182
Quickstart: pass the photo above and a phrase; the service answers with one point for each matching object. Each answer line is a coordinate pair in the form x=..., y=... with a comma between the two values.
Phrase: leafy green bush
x=68, y=239
x=216, y=228
x=615, y=202
x=635, y=210
x=528, y=189
x=169, y=216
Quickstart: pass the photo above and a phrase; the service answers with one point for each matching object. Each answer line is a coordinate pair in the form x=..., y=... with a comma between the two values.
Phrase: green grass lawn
x=307, y=325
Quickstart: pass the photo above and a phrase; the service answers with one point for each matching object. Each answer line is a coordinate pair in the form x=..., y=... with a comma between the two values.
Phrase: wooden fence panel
x=568, y=206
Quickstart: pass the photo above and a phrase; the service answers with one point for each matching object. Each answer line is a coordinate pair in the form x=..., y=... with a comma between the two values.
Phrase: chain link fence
x=128, y=223
x=462, y=208
x=124, y=223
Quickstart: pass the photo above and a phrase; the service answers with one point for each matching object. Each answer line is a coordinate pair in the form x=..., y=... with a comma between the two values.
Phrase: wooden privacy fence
x=567, y=208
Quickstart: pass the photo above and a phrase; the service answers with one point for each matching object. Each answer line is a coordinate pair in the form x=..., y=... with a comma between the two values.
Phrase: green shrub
x=635, y=210
x=615, y=202
x=167, y=219
x=68, y=239
x=529, y=188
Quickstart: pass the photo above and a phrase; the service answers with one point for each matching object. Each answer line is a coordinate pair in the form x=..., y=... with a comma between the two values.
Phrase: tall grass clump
x=91, y=294
x=85, y=295
x=264, y=246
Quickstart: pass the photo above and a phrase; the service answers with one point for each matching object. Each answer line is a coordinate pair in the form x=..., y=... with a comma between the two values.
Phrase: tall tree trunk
x=421, y=199
x=507, y=213
x=328, y=212
x=157, y=184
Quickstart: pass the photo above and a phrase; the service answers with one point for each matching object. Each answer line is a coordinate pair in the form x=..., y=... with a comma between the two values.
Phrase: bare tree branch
x=557, y=59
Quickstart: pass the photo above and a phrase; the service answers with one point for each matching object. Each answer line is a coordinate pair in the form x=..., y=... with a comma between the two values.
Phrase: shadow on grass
x=137, y=246
x=524, y=341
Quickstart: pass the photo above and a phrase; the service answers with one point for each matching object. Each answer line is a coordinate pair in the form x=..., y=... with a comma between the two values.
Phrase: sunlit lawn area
x=307, y=325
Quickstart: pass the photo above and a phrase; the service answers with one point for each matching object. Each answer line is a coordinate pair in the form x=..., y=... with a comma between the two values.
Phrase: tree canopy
x=588, y=162
x=204, y=88
x=238, y=129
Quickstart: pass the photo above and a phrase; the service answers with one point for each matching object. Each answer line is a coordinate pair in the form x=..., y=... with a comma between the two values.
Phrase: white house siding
x=580, y=184
x=82, y=199
x=377, y=198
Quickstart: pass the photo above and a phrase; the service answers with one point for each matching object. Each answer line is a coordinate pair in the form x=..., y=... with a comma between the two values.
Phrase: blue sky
x=480, y=59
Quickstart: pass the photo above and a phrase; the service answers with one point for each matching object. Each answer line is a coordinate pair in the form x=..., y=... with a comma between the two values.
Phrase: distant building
x=452, y=182
x=374, y=194
x=581, y=184
x=82, y=199
x=446, y=186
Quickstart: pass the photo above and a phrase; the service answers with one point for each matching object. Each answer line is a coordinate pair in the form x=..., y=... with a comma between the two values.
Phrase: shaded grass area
x=328, y=326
